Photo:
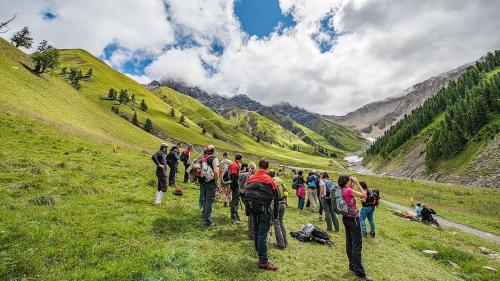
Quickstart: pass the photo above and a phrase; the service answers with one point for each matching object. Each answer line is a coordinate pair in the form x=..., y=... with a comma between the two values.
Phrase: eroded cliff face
x=375, y=118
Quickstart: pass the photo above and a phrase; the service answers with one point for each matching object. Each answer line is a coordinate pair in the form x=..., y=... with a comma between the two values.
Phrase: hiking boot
x=235, y=221
x=207, y=225
x=372, y=235
x=320, y=218
x=366, y=278
x=268, y=266
x=365, y=235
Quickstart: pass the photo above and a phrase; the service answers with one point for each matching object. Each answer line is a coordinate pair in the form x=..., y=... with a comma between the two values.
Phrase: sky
x=327, y=56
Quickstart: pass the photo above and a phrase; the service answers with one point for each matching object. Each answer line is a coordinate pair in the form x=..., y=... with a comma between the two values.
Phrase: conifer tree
x=135, y=121
x=22, y=38
x=172, y=112
x=144, y=106
x=182, y=120
x=148, y=126
x=112, y=94
x=123, y=98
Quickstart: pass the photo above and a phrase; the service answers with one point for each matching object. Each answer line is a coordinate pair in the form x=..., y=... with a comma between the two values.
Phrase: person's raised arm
x=361, y=193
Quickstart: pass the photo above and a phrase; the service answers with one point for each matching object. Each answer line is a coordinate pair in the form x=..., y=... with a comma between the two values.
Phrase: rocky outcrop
x=375, y=118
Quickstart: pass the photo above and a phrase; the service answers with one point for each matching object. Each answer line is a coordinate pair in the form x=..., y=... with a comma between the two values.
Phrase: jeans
x=330, y=216
x=235, y=200
x=367, y=212
x=209, y=193
x=186, y=175
x=161, y=174
x=261, y=225
x=301, y=203
x=279, y=226
x=171, y=175
x=353, y=245
x=312, y=195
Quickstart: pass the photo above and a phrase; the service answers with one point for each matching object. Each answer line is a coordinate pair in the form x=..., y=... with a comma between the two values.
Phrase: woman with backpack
x=368, y=209
x=353, y=245
x=312, y=194
x=326, y=186
x=300, y=190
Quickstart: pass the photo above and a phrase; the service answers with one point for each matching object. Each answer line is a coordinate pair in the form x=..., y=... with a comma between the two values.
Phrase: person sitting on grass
x=260, y=192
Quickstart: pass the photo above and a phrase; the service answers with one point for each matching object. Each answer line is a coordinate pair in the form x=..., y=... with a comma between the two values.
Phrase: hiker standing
x=209, y=181
x=312, y=194
x=173, y=164
x=259, y=193
x=368, y=210
x=242, y=183
x=186, y=154
x=224, y=189
x=234, y=173
x=318, y=193
x=279, y=224
x=300, y=190
x=160, y=159
x=326, y=187
x=352, y=227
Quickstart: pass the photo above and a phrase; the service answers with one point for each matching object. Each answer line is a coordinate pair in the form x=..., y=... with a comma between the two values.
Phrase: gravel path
x=448, y=223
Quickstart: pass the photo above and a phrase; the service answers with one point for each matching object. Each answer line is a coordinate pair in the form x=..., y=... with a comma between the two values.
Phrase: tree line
x=447, y=97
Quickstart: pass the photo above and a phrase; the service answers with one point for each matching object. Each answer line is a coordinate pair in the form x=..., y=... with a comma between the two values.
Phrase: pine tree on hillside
x=22, y=38
x=74, y=78
x=144, y=106
x=203, y=131
x=63, y=71
x=89, y=73
x=112, y=94
x=132, y=98
x=182, y=120
x=45, y=58
x=135, y=121
x=148, y=126
x=172, y=112
x=123, y=98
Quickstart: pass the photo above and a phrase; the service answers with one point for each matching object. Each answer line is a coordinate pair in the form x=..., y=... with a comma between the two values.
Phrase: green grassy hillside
x=69, y=212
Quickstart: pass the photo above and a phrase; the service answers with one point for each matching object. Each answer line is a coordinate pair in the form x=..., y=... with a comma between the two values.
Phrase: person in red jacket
x=234, y=174
x=259, y=193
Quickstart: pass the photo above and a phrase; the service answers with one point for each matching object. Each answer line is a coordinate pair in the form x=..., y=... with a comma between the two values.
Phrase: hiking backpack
x=206, y=171
x=340, y=205
x=329, y=185
x=226, y=178
x=311, y=182
x=372, y=198
x=295, y=182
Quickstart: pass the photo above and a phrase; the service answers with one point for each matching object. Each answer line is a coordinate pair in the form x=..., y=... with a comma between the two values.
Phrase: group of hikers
x=265, y=197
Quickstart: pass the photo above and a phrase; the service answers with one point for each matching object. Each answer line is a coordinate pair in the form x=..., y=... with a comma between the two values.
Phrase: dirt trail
x=448, y=223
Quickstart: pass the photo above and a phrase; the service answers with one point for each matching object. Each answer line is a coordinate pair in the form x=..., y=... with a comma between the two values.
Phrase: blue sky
x=328, y=56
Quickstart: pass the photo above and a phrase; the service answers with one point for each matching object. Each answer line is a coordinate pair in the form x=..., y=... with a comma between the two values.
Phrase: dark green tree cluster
x=112, y=94
x=463, y=120
x=322, y=150
x=123, y=97
x=182, y=120
x=148, y=126
x=421, y=117
x=144, y=106
x=74, y=77
x=45, y=58
x=135, y=120
x=22, y=38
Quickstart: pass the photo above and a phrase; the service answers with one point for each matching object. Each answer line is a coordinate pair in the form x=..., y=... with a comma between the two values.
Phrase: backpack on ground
x=372, y=198
x=207, y=172
x=310, y=232
x=340, y=205
x=178, y=191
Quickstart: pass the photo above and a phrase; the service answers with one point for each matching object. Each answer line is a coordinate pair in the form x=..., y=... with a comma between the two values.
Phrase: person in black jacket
x=160, y=159
x=259, y=194
x=234, y=174
x=173, y=164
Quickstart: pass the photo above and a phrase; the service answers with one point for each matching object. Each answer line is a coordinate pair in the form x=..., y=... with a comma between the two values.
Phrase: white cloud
x=142, y=79
x=386, y=46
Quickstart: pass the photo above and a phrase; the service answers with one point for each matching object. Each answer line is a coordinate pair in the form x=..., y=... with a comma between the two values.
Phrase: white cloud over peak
x=385, y=46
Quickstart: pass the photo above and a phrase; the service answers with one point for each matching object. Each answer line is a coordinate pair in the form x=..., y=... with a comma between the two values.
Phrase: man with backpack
x=234, y=174
x=160, y=159
x=224, y=188
x=242, y=182
x=209, y=180
x=278, y=222
x=259, y=194
x=326, y=189
x=186, y=154
x=312, y=194
x=368, y=209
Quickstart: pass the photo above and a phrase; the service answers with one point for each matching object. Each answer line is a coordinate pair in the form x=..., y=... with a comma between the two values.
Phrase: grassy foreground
x=72, y=209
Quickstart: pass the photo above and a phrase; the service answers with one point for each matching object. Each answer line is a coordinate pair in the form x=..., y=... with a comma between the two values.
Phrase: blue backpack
x=329, y=185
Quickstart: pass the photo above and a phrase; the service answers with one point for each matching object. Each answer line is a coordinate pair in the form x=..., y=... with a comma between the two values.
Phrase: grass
x=102, y=224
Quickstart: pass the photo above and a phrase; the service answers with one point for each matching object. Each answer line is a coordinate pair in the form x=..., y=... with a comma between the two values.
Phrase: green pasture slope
x=72, y=209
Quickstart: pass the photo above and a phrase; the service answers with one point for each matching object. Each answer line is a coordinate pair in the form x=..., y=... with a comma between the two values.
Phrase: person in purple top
x=353, y=245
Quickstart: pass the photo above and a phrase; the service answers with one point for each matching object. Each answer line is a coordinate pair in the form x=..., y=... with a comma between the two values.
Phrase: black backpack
x=372, y=198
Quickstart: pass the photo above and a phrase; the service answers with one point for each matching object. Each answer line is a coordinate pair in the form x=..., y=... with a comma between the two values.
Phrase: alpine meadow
x=249, y=140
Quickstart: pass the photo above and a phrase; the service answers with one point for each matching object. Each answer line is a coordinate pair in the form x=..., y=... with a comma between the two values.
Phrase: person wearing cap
x=160, y=159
